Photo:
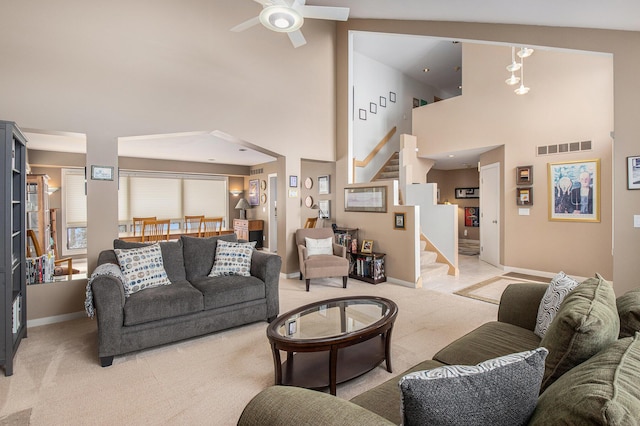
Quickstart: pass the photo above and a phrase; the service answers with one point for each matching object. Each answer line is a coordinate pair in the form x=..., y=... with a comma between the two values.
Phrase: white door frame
x=272, y=188
x=490, y=208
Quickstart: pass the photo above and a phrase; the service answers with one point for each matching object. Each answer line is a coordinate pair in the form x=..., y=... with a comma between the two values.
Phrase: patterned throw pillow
x=232, y=259
x=500, y=391
x=142, y=268
x=559, y=287
x=320, y=246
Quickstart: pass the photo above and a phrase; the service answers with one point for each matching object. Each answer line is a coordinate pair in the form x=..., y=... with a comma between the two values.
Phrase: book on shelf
x=40, y=269
x=17, y=314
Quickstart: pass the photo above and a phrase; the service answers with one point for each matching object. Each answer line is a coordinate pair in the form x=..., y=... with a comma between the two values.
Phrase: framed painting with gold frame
x=574, y=191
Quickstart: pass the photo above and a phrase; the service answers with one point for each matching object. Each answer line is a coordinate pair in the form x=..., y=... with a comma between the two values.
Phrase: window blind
x=205, y=197
x=75, y=199
x=153, y=196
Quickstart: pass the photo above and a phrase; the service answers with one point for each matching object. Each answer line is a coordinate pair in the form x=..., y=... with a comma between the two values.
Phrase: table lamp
x=243, y=205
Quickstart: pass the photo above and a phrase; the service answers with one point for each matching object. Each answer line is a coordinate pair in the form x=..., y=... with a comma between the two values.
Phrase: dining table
x=173, y=235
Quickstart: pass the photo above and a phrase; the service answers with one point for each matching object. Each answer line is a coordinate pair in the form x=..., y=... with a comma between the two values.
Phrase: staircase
x=390, y=170
x=429, y=267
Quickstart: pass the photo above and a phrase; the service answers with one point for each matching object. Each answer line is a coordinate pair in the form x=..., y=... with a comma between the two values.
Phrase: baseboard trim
x=55, y=319
x=290, y=276
x=401, y=282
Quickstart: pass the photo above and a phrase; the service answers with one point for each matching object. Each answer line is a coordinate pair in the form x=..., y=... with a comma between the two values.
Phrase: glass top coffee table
x=332, y=341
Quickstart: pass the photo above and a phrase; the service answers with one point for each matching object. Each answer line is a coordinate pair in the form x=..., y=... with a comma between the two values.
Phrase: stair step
x=389, y=168
x=428, y=257
x=434, y=270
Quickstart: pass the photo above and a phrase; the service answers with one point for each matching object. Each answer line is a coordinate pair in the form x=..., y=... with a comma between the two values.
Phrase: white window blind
x=75, y=200
x=205, y=197
x=151, y=196
x=123, y=199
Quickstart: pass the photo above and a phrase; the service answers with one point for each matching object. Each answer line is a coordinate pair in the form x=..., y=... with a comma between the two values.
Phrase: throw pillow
x=142, y=268
x=586, y=323
x=601, y=391
x=500, y=391
x=629, y=311
x=232, y=259
x=320, y=246
x=558, y=288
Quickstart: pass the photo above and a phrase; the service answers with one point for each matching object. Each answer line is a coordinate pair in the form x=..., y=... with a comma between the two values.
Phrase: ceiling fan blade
x=297, y=39
x=264, y=2
x=246, y=24
x=322, y=12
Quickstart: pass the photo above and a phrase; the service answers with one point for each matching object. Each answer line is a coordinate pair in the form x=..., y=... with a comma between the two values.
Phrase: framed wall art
x=472, y=217
x=324, y=209
x=524, y=175
x=574, y=191
x=323, y=185
x=398, y=221
x=101, y=172
x=633, y=172
x=293, y=181
x=254, y=192
x=524, y=196
x=367, y=246
x=467, y=192
x=366, y=199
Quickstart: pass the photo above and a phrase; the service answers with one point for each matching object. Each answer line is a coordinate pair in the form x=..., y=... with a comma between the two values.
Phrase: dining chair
x=311, y=222
x=32, y=241
x=193, y=223
x=137, y=224
x=211, y=226
x=155, y=230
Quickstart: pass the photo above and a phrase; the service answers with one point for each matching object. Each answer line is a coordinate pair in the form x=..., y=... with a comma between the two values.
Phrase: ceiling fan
x=288, y=17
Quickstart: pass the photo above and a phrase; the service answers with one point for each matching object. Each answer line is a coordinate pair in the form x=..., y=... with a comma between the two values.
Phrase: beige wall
x=625, y=47
x=448, y=181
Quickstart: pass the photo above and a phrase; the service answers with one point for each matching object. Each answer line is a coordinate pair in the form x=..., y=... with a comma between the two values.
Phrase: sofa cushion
x=586, y=323
x=384, y=399
x=142, y=268
x=172, y=256
x=229, y=290
x=177, y=299
x=602, y=390
x=558, y=289
x=319, y=246
x=500, y=391
x=629, y=312
x=490, y=340
x=199, y=254
x=232, y=258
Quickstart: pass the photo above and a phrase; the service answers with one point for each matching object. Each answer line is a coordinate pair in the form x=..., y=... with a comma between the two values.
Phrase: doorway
x=490, y=214
x=273, y=212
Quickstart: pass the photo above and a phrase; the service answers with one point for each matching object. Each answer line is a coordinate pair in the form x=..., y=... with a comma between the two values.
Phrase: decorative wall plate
x=263, y=198
x=308, y=201
x=308, y=183
x=263, y=184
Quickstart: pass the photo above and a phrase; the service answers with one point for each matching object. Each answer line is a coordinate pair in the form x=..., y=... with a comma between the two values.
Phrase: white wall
x=372, y=80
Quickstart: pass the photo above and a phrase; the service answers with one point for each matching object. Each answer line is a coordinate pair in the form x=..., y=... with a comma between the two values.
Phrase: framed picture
x=398, y=221
x=524, y=196
x=574, y=191
x=324, y=211
x=366, y=199
x=524, y=175
x=102, y=172
x=467, y=192
x=383, y=101
x=416, y=102
x=293, y=181
x=373, y=108
x=367, y=246
x=472, y=217
x=323, y=185
x=254, y=192
x=392, y=97
x=362, y=114
x=633, y=172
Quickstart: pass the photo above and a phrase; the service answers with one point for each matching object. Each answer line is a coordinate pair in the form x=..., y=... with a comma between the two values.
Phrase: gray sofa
x=193, y=305
x=590, y=372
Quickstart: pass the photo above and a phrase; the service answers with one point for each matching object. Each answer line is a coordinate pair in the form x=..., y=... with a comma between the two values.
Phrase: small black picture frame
x=398, y=221
x=293, y=181
x=362, y=114
x=373, y=108
x=383, y=101
x=392, y=97
x=467, y=192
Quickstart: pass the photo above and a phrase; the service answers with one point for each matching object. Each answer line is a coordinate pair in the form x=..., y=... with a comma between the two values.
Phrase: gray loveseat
x=590, y=375
x=193, y=305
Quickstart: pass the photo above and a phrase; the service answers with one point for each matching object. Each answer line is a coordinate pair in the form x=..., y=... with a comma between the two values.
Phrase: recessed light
x=425, y=70
x=211, y=159
x=242, y=149
x=451, y=155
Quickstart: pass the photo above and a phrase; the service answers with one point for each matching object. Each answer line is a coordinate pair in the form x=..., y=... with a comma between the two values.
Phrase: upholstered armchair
x=319, y=256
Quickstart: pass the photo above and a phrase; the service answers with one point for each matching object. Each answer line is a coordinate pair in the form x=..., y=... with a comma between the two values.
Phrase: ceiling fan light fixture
x=522, y=90
x=525, y=52
x=513, y=80
x=281, y=19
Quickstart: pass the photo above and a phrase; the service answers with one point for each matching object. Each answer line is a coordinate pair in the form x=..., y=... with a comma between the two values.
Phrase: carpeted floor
x=491, y=290
x=58, y=380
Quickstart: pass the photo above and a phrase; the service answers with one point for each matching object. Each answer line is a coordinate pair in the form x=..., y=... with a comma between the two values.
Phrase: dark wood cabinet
x=13, y=296
x=367, y=267
x=249, y=229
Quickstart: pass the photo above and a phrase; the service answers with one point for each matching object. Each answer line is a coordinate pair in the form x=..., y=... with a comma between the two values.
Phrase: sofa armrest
x=519, y=304
x=108, y=299
x=287, y=405
x=267, y=268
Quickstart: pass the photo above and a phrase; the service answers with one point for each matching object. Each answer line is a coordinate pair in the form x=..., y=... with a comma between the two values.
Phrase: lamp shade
x=243, y=204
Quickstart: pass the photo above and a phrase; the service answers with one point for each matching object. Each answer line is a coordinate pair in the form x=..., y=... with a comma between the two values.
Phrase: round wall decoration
x=263, y=184
x=308, y=183
x=263, y=198
x=308, y=201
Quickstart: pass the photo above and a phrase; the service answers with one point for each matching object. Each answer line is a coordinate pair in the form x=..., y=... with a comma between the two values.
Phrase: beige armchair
x=321, y=265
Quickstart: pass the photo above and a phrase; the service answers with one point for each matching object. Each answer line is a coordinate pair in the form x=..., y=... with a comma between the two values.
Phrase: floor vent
x=563, y=148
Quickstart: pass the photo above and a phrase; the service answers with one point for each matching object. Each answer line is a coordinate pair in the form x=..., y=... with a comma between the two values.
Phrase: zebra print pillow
x=558, y=288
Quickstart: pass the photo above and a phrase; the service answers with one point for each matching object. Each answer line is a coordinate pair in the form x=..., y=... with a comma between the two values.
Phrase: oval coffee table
x=332, y=341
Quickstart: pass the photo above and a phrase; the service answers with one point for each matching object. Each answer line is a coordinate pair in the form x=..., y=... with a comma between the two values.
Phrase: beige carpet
x=491, y=290
x=58, y=381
